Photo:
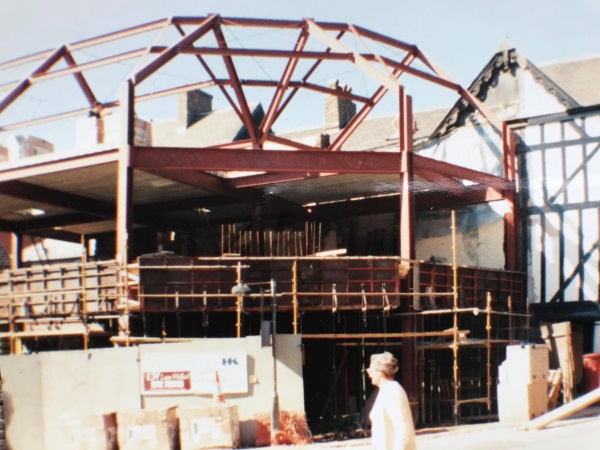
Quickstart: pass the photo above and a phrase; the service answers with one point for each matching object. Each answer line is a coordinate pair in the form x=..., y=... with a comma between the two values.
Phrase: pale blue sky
x=460, y=35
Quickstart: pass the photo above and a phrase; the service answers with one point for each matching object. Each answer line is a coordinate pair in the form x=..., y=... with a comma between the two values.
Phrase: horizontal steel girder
x=185, y=159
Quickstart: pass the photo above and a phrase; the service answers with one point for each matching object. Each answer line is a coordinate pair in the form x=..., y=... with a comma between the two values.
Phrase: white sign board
x=194, y=373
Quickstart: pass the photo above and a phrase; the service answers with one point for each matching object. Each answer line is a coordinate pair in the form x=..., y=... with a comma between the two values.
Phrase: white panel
x=552, y=132
x=551, y=252
x=572, y=129
x=571, y=260
x=554, y=175
x=590, y=237
x=574, y=160
x=592, y=125
x=535, y=259
x=532, y=135
x=593, y=169
x=534, y=178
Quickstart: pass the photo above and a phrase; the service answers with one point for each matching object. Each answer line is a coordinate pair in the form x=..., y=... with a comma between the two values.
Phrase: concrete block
x=147, y=429
x=519, y=402
x=212, y=427
x=93, y=432
x=527, y=364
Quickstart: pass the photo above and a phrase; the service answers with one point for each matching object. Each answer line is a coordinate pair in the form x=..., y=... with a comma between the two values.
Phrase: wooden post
x=295, y=294
x=455, y=320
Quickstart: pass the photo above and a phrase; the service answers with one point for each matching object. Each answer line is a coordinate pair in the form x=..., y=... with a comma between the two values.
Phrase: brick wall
x=338, y=111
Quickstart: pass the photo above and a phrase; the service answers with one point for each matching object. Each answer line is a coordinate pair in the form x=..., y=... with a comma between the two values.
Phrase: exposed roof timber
x=20, y=189
x=94, y=159
x=182, y=159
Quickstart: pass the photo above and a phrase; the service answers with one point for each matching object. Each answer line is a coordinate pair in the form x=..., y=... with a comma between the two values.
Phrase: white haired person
x=392, y=426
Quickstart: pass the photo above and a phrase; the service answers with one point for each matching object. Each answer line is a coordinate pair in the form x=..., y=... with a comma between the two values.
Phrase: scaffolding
x=443, y=312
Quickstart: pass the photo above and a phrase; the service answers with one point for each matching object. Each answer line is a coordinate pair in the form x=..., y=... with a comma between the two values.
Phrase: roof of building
x=580, y=78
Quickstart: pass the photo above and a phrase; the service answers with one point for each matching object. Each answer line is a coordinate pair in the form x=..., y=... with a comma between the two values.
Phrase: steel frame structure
x=306, y=161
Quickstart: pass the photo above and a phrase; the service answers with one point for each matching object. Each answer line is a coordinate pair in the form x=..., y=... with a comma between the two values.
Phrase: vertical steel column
x=125, y=194
x=16, y=251
x=510, y=217
x=125, y=174
x=455, y=349
x=406, y=239
x=407, y=207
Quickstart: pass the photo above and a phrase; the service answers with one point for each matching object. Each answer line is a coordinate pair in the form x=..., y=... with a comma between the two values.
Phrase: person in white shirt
x=392, y=426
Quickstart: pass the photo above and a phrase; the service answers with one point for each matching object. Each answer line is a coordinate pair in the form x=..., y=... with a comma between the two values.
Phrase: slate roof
x=580, y=78
x=573, y=83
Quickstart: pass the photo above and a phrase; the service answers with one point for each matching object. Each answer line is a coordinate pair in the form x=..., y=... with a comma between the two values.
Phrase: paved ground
x=579, y=434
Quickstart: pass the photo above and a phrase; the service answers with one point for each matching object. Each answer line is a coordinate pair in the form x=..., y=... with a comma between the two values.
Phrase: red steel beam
x=406, y=170
x=204, y=181
x=445, y=183
x=26, y=83
x=264, y=53
x=366, y=109
x=303, y=85
x=50, y=167
x=283, y=84
x=215, y=158
x=101, y=62
x=83, y=84
x=116, y=35
x=49, y=196
x=207, y=25
x=289, y=143
x=125, y=174
x=237, y=88
x=511, y=217
x=462, y=173
x=266, y=179
x=305, y=78
x=214, y=78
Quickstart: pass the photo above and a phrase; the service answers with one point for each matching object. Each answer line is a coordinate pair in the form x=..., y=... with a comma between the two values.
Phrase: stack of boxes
x=523, y=383
x=174, y=428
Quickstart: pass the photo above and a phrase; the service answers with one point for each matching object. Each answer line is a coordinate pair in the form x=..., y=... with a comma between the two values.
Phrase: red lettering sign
x=167, y=381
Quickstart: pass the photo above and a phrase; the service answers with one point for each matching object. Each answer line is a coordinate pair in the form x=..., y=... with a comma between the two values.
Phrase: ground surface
x=581, y=433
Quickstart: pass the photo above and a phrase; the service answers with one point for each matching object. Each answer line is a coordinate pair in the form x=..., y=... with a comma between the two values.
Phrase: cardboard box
x=94, y=432
x=519, y=402
x=212, y=427
x=527, y=364
x=146, y=429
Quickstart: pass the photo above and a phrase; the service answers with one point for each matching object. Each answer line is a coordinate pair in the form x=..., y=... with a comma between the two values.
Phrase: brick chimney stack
x=193, y=105
x=338, y=111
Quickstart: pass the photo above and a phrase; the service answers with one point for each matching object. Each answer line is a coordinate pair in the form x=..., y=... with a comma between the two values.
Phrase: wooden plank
x=565, y=411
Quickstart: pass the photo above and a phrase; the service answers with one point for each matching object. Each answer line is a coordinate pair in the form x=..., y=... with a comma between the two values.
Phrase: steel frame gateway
x=271, y=160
